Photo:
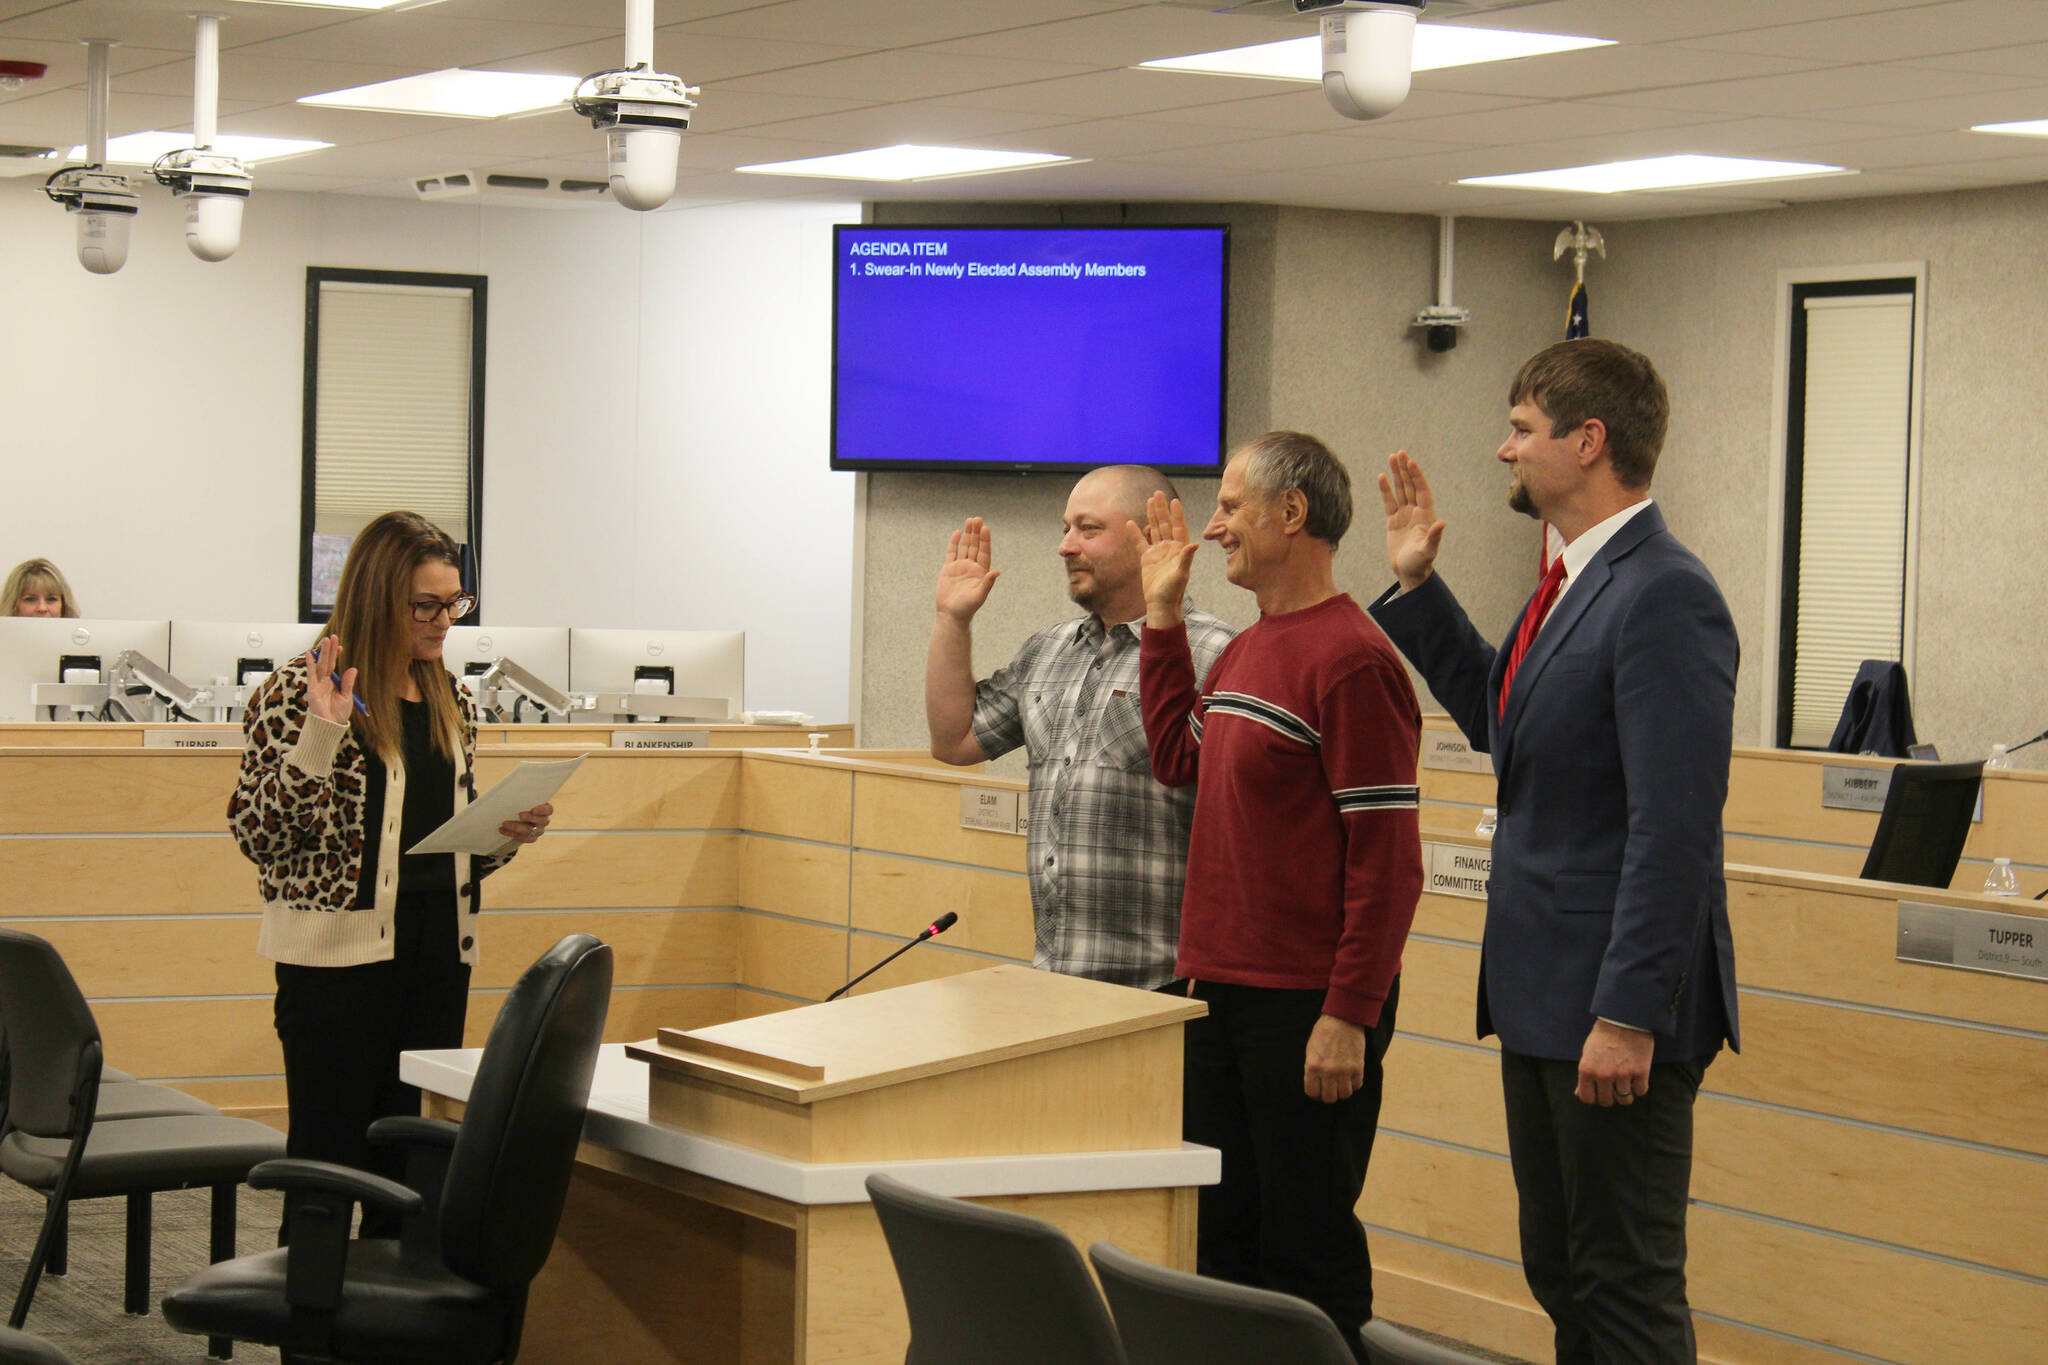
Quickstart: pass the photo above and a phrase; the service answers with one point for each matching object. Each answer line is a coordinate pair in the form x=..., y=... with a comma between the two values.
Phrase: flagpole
x=1581, y=241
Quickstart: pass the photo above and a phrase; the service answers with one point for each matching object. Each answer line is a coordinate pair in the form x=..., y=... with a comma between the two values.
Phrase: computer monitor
x=32, y=650
x=541, y=650
x=236, y=651
x=699, y=663
x=1926, y=821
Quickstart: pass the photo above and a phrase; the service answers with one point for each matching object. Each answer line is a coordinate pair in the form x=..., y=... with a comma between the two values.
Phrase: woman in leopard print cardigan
x=343, y=770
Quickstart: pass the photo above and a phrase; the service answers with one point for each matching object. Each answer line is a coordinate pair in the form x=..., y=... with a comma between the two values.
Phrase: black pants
x=1603, y=1197
x=1284, y=1216
x=343, y=1028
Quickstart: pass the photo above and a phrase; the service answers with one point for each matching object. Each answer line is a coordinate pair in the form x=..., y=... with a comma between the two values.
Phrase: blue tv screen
x=1015, y=350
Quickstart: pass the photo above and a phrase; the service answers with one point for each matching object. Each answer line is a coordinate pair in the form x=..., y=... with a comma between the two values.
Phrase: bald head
x=1125, y=488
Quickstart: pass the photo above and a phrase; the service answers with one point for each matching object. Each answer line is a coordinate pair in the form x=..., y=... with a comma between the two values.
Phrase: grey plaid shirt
x=1108, y=845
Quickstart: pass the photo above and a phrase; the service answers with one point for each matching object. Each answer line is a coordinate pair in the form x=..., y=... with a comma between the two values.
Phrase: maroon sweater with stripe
x=1305, y=862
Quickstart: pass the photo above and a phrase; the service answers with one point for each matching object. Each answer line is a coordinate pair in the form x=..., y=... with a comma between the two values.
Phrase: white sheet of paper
x=475, y=827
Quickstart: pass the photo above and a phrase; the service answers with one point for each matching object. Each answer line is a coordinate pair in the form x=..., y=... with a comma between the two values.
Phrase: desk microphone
x=932, y=930
x=2025, y=742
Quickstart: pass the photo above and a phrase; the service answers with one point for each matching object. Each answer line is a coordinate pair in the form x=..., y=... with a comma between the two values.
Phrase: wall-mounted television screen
x=1018, y=350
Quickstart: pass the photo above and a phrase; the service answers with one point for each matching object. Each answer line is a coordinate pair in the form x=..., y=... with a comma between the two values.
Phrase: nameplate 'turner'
x=662, y=739
x=1456, y=870
x=1846, y=788
x=1000, y=812
x=1448, y=750
x=1974, y=940
x=191, y=737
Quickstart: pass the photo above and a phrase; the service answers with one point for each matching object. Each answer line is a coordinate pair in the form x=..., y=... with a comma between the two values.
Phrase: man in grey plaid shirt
x=1108, y=845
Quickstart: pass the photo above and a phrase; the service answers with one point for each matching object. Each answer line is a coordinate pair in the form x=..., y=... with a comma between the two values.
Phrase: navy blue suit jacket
x=1607, y=898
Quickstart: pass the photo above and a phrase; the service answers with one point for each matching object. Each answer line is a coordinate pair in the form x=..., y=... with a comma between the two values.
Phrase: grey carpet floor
x=81, y=1312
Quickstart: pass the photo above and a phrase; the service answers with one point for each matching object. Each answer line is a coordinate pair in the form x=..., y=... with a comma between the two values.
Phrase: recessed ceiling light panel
x=1658, y=173
x=907, y=161
x=1437, y=47
x=142, y=149
x=2032, y=127
x=454, y=93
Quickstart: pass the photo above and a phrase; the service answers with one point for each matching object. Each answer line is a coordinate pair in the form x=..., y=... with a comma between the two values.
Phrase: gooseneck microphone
x=932, y=930
x=2013, y=749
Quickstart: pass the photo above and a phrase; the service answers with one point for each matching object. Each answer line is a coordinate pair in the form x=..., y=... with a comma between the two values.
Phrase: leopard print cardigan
x=297, y=813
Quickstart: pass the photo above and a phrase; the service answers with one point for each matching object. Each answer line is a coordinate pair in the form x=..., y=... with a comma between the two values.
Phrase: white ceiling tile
x=1633, y=21
x=2023, y=59
x=1140, y=33
x=600, y=13
x=1123, y=137
x=725, y=110
x=161, y=23
x=889, y=23
x=1605, y=70
x=1543, y=123
x=1914, y=149
x=258, y=79
x=1953, y=112
x=698, y=59
x=1304, y=110
x=1897, y=35
x=1831, y=88
x=66, y=63
x=917, y=121
x=1114, y=94
x=62, y=114
x=1289, y=152
x=425, y=41
x=902, y=75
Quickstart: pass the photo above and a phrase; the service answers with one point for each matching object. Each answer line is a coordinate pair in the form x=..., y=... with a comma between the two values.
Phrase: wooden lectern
x=754, y=1243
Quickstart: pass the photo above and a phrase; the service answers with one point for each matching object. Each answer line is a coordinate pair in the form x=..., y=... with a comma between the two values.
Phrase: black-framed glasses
x=426, y=609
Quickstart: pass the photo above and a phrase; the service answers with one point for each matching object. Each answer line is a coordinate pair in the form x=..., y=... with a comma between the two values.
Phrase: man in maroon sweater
x=1304, y=867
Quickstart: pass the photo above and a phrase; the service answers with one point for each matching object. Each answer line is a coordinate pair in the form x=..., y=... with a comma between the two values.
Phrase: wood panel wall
x=1871, y=1179
x=1774, y=816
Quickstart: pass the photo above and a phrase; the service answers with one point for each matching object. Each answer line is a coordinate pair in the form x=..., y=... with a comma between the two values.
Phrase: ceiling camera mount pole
x=1440, y=322
x=96, y=83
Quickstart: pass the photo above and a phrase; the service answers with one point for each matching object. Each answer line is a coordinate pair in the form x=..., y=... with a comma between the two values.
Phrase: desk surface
x=618, y=1120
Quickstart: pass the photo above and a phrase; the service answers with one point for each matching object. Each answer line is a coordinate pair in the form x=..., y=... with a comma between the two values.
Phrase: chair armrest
x=295, y=1175
x=407, y=1130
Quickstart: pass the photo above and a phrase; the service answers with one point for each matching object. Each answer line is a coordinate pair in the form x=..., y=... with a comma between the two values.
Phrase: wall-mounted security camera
x=104, y=207
x=214, y=187
x=1440, y=324
x=1368, y=47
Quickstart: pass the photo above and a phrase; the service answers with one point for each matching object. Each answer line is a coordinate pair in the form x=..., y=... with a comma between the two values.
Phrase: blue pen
x=311, y=655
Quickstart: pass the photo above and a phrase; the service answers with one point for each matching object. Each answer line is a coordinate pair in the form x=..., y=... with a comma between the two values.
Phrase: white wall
x=655, y=422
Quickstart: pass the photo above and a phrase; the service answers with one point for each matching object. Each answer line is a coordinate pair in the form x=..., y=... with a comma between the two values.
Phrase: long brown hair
x=42, y=576
x=373, y=620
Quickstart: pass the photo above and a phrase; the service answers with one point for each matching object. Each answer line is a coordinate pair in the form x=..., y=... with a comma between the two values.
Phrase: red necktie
x=1532, y=621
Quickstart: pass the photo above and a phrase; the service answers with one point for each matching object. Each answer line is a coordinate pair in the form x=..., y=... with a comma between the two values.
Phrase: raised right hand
x=966, y=578
x=1414, y=535
x=328, y=697
x=1163, y=566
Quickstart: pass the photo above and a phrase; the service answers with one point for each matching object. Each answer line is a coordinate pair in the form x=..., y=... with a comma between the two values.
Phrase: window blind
x=392, y=430
x=1852, y=500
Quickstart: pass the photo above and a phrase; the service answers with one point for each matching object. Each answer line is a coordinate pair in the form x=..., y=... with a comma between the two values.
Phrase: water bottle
x=1999, y=760
x=2000, y=881
x=1488, y=818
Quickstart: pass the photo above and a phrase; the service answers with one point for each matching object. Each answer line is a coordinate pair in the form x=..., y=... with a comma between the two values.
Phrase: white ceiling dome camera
x=214, y=187
x=1368, y=47
x=643, y=114
x=105, y=207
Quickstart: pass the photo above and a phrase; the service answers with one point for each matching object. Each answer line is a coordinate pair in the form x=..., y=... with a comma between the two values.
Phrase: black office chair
x=452, y=1289
x=1925, y=823
x=57, y=1147
x=19, y=1348
x=989, y=1286
x=1169, y=1317
x=1386, y=1344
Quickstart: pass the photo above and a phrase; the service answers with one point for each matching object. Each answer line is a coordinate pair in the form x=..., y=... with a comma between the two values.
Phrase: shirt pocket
x=1120, y=735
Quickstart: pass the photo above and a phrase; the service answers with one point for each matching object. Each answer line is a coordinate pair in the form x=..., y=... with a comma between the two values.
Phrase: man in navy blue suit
x=1608, y=969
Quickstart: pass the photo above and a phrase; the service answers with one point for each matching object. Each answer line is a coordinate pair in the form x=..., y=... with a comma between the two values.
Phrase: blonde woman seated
x=37, y=588
x=355, y=753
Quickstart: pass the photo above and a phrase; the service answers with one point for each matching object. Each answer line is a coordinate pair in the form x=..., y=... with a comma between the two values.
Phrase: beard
x=1520, y=501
